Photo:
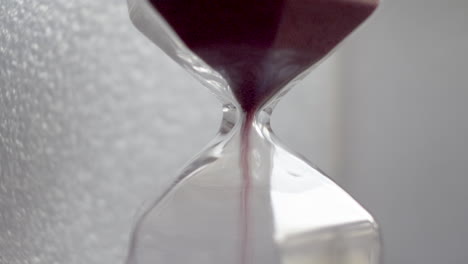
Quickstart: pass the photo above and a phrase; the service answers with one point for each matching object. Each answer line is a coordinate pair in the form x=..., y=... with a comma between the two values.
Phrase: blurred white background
x=405, y=127
x=94, y=119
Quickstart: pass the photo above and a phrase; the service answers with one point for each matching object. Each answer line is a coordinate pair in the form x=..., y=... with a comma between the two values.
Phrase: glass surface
x=246, y=198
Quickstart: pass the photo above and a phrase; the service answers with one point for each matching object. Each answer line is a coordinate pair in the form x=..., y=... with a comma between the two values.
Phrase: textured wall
x=94, y=119
x=90, y=125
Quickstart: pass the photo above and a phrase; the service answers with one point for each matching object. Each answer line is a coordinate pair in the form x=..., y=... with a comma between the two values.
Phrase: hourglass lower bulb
x=246, y=198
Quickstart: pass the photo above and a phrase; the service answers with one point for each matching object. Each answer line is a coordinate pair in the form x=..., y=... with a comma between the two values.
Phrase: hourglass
x=246, y=198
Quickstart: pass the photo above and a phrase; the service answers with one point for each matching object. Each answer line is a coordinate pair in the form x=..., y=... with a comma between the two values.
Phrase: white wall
x=93, y=120
x=405, y=112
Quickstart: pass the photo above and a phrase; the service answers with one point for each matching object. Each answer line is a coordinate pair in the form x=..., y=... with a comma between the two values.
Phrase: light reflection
x=315, y=220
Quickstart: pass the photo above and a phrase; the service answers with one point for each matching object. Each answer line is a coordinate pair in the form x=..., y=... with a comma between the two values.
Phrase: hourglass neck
x=233, y=116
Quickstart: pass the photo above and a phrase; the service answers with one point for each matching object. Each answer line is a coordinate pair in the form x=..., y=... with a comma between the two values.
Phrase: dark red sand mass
x=258, y=46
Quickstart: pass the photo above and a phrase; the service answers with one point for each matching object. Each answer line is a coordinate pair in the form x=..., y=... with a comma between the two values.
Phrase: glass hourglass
x=246, y=198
